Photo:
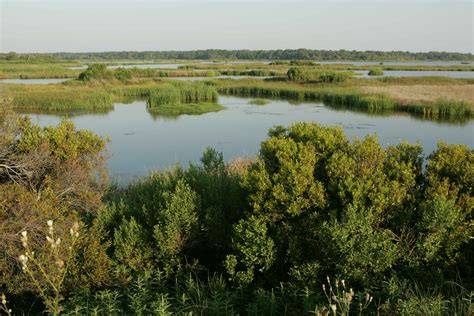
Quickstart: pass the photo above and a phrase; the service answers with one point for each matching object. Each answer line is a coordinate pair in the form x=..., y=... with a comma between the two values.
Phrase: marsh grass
x=441, y=107
x=435, y=98
x=367, y=98
x=62, y=100
x=163, y=98
x=182, y=92
x=172, y=110
x=328, y=94
x=35, y=71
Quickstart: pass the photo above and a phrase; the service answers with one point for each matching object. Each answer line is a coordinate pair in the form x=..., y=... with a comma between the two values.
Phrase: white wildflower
x=23, y=260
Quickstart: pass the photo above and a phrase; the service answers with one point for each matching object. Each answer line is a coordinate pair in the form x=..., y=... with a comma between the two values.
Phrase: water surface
x=400, y=63
x=404, y=73
x=141, y=142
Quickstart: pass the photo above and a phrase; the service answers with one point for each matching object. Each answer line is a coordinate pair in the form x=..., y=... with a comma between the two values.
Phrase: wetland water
x=419, y=73
x=141, y=142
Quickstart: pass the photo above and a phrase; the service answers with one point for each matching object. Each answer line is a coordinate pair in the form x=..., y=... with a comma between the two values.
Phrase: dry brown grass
x=239, y=166
x=406, y=94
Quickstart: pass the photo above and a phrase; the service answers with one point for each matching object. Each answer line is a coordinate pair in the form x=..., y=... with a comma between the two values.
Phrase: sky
x=139, y=25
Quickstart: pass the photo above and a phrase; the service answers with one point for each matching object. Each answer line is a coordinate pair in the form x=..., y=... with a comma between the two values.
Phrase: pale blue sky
x=106, y=25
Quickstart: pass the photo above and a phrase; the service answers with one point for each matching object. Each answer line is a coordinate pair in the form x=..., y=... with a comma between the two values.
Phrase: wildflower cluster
x=48, y=272
x=340, y=299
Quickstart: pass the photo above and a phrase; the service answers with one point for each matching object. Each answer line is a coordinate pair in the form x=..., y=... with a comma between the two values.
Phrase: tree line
x=279, y=54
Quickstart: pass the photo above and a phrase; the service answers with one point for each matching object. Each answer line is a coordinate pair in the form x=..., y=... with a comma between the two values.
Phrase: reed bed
x=63, y=100
x=183, y=92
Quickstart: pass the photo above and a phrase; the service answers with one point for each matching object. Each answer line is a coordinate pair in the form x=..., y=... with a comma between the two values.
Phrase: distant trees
x=280, y=54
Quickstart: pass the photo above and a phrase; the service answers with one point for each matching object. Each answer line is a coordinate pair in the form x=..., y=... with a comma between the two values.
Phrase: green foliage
x=376, y=72
x=178, y=220
x=95, y=72
x=297, y=74
x=100, y=72
x=268, y=238
x=122, y=74
x=253, y=250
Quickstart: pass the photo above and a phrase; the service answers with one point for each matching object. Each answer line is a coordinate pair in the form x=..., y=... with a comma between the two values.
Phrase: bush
x=95, y=72
x=286, y=233
x=376, y=72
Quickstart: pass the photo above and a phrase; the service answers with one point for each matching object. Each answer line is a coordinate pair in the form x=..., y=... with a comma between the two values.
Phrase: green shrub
x=95, y=72
x=376, y=72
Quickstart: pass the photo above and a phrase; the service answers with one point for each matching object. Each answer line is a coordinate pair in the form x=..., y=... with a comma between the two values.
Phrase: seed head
x=60, y=264
x=4, y=299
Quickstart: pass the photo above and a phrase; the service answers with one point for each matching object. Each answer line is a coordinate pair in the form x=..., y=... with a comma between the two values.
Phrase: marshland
x=136, y=180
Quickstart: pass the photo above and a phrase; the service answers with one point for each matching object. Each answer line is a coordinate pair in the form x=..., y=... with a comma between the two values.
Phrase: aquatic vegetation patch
x=184, y=108
x=182, y=92
x=259, y=102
